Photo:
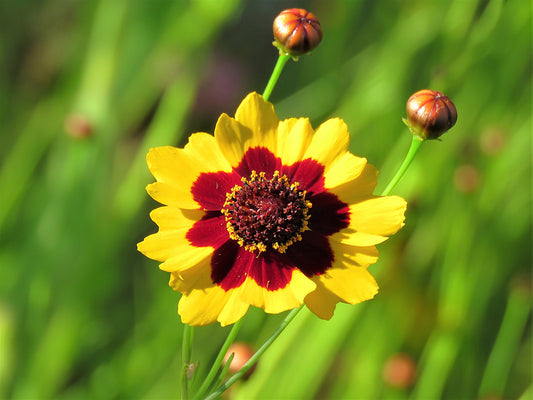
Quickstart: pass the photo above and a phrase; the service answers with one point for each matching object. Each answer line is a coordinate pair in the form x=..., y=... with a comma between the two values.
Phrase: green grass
x=83, y=315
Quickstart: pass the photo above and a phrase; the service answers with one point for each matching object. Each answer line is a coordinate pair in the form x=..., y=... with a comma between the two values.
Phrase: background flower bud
x=466, y=178
x=399, y=371
x=296, y=31
x=430, y=114
x=78, y=125
x=243, y=352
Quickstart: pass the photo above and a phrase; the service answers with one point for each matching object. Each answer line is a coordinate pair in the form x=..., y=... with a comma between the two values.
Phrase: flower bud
x=492, y=141
x=399, y=371
x=297, y=32
x=78, y=126
x=430, y=114
x=466, y=178
x=242, y=353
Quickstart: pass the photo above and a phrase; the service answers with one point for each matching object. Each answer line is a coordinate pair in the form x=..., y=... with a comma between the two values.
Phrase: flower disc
x=266, y=213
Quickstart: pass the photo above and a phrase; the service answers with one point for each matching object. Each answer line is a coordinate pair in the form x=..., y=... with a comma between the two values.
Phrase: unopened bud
x=466, y=178
x=400, y=371
x=297, y=32
x=242, y=353
x=430, y=114
x=492, y=142
x=78, y=126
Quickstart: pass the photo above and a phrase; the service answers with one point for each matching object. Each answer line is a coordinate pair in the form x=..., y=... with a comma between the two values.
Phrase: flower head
x=430, y=114
x=267, y=213
x=296, y=31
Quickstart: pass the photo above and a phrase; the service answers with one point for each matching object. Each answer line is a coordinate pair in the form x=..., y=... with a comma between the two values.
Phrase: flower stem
x=255, y=357
x=416, y=143
x=218, y=361
x=282, y=60
x=225, y=369
x=186, y=350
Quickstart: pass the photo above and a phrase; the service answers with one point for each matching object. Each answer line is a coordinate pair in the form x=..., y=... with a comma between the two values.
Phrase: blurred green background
x=86, y=87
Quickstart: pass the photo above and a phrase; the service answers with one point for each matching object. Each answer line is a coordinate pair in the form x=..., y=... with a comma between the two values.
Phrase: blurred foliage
x=86, y=87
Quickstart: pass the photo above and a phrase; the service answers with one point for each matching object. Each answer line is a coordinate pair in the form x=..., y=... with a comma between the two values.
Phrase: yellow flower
x=267, y=213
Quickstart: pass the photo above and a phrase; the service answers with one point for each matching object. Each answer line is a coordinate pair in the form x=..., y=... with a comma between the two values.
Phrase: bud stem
x=255, y=357
x=186, y=359
x=218, y=361
x=416, y=143
x=282, y=60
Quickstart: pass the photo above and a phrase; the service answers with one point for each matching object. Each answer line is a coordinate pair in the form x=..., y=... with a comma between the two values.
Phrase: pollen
x=266, y=213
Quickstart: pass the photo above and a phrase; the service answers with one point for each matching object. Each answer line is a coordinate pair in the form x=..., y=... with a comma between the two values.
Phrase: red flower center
x=264, y=214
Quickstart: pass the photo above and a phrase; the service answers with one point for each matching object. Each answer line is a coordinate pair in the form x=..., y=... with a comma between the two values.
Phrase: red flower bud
x=399, y=371
x=466, y=178
x=297, y=32
x=242, y=353
x=78, y=126
x=430, y=114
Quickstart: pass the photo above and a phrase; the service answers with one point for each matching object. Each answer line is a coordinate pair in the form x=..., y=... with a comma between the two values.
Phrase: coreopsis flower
x=267, y=213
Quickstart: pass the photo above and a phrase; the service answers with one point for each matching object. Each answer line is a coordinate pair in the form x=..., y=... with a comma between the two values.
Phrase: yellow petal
x=171, y=195
x=203, y=148
x=330, y=141
x=195, y=277
x=171, y=244
x=295, y=135
x=233, y=138
x=379, y=216
x=284, y=129
x=349, y=285
x=204, y=302
x=352, y=237
x=178, y=169
x=172, y=217
x=344, y=168
x=353, y=285
x=354, y=256
x=321, y=301
x=172, y=166
x=203, y=307
x=165, y=163
x=259, y=116
x=372, y=220
x=280, y=300
x=189, y=257
x=357, y=189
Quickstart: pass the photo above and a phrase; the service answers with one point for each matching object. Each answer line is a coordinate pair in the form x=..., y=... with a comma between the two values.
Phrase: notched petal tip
x=330, y=141
x=347, y=285
x=156, y=153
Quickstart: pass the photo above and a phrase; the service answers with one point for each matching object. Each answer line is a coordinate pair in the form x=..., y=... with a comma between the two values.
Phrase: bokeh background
x=87, y=87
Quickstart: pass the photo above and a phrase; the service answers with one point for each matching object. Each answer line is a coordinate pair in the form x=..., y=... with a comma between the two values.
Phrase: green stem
x=255, y=357
x=507, y=344
x=218, y=361
x=280, y=64
x=186, y=350
x=225, y=369
x=415, y=146
x=282, y=60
